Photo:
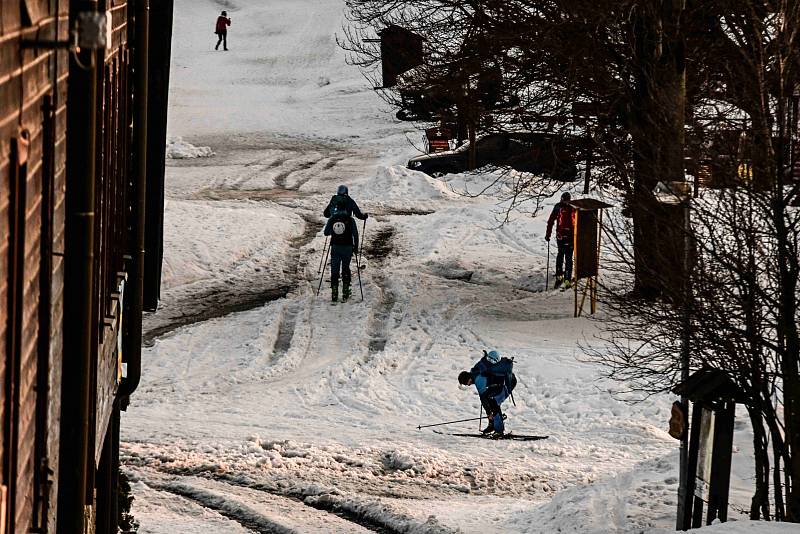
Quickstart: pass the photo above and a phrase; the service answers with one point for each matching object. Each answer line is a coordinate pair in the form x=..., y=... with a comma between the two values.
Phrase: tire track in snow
x=288, y=322
x=381, y=246
x=357, y=514
x=330, y=164
x=245, y=516
x=316, y=502
x=286, y=328
x=280, y=179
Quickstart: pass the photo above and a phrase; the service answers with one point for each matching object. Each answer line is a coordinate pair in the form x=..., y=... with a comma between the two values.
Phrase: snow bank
x=177, y=148
x=224, y=247
x=398, y=183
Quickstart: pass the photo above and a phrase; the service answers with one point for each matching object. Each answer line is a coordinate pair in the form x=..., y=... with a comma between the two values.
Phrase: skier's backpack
x=502, y=372
x=509, y=379
x=564, y=222
x=338, y=205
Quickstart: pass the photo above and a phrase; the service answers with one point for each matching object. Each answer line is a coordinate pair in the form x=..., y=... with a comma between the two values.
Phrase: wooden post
x=721, y=463
x=575, y=287
x=597, y=276
x=688, y=499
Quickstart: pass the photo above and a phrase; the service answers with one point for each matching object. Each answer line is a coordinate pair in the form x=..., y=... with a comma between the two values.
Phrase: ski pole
x=322, y=256
x=358, y=259
x=547, y=276
x=322, y=273
x=448, y=423
x=480, y=419
x=360, y=286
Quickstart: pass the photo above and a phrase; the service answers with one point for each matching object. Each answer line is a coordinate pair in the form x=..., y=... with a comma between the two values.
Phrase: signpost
x=588, y=224
x=708, y=468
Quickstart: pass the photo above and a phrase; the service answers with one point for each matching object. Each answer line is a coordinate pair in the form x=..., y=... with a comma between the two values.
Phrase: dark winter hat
x=566, y=197
x=225, y=13
x=341, y=190
x=464, y=377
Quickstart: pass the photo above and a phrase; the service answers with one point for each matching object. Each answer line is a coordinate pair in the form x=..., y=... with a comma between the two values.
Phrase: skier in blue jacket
x=494, y=379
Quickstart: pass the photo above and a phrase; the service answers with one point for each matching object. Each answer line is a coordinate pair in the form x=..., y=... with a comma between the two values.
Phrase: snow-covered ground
x=264, y=408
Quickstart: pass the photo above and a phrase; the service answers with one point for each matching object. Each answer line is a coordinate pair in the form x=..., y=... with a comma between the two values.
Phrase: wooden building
x=74, y=140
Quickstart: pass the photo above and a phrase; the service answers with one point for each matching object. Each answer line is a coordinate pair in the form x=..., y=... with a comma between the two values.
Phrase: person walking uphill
x=344, y=241
x=344, y=238
x=562, y=216
x=222, y=30
x=494, y=379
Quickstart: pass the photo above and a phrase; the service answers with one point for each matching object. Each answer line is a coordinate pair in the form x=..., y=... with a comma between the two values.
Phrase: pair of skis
x=508, y=435
x=494, y=437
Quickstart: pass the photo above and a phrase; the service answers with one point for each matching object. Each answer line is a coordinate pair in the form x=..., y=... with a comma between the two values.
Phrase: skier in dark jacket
x=344, y=243
x=563, y=217
x=221, y=30
x=342, y=201
x=494, y=379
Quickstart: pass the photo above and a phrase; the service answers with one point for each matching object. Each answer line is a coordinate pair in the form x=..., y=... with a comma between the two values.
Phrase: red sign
x=438, y=139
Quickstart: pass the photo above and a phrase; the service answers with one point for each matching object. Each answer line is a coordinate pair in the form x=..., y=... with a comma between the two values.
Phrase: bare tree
x=743, y=281
x=670, y=79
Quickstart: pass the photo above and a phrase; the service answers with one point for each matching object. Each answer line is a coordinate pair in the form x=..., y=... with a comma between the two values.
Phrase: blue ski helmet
x=493, y=356
x=341, y=190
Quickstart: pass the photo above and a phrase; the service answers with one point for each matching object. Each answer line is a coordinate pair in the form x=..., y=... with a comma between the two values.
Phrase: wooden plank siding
x=38, y=228
x=26, y=77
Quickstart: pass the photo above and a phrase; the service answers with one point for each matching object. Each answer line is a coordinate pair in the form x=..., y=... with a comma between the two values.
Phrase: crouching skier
x=494, y=379
x=344, y=243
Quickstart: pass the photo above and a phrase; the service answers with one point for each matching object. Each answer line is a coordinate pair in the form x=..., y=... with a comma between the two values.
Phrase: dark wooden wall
x=35, y=379
x=32, y=99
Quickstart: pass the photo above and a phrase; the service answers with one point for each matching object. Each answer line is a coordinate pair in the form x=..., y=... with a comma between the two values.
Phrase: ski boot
x=334, y=292
x=559, y=281
x=345, y=291
x=490, y=428
x=568, y=284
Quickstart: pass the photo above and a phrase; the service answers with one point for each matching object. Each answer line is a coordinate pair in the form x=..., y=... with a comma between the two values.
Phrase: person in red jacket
x=562, y=216
x=222, y=30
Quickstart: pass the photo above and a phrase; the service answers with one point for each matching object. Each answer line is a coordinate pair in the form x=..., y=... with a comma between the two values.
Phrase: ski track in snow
x=264, y=408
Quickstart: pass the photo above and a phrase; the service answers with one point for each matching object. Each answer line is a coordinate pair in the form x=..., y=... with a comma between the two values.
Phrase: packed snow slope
x=264, y=408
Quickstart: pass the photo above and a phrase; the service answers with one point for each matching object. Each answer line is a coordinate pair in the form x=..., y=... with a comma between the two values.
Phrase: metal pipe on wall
x=132, y=351
x=159, y=53
x=79, y=322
